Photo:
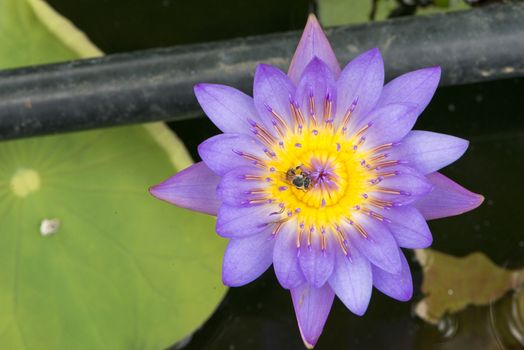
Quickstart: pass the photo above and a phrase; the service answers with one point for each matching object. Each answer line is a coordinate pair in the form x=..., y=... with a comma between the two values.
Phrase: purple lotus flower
x=320, y=175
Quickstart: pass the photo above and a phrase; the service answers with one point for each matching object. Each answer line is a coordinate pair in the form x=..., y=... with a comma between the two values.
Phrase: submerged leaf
x=89, y=260
x=450, y=284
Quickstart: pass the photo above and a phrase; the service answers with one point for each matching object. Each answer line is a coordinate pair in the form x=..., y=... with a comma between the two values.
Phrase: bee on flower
x=320, y=175
x=299, y=178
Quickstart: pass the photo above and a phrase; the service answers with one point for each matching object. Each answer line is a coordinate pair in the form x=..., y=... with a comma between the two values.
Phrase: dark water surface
x=260, y=315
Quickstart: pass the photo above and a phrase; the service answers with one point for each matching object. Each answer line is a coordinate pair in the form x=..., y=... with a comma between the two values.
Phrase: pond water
x=260, y=315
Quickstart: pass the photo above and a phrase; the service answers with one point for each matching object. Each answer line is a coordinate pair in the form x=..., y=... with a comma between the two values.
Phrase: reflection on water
x=491, y=116
x=493, y=327
x=507, y=320
x=448, y=327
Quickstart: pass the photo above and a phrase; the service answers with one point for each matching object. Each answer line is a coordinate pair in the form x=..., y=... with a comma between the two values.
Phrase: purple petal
x=224, y=152
x=398, y=286
x=427, y=151
x=238, y=222
x=238, y=190
x=192, y=188
x=285, y=258
x=229, y=109
x=408, y=227
x=317, y=82
x=389, y=124
x=317, y=264
x=247, y=258
x=312, y=306
x=446, y=199
x=313, y=43
x=352, y=280
x=405, y=187
x=360, y=82
x=272, y=92
x=415, y=87
x=379, y=246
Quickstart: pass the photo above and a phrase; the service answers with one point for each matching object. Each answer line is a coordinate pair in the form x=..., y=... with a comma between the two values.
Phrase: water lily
x=321, y=175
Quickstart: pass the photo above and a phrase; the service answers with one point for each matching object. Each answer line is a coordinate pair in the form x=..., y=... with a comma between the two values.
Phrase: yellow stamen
x=319, y=178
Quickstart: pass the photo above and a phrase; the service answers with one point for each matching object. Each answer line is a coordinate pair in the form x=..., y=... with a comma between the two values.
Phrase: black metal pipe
x=470, y=46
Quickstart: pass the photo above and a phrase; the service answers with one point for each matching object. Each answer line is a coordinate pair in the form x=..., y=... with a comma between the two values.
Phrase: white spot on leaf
x=49, y=227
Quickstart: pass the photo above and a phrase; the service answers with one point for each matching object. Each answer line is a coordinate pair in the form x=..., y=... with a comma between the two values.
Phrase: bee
x=300, y=178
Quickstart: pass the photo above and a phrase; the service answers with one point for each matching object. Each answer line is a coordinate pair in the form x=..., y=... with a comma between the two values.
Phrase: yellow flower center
x=320, y=173
x=338, y=178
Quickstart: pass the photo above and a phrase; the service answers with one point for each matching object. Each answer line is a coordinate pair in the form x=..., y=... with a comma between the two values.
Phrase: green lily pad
x=450, y=283
x=88, y=259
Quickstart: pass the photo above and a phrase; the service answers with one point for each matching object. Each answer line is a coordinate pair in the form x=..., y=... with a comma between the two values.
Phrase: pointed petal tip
x=227, y=282
x=153, y=190
x=200, y=88
x=360, y=312
x=264, y=72
x=262, y=67
x=372, y=53
x=164, y=192
x=475, y=201
x=427, y=243
x=308, y=340
x=312, y=20
x=313, y=42
x=431, y=70
x=192, y=188
x=312, y=306
x=448, y=198
x=406, y=297
x=246, y=259
x=307, y=343
x=463, y=145
x=403, y=296
x=206, y=88
x=478, y=200
x=398, y=286
x=159, y=191
x=417, y=87
x=436, y=70
x=231, y=281
x=228, y=108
